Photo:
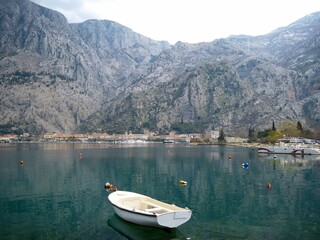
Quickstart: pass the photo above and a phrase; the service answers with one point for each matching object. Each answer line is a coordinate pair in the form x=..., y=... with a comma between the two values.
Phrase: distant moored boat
x=289, y=150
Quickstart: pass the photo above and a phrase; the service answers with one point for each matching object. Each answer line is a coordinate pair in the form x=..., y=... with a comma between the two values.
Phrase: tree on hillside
x=273, y=126
x=251, y=134
x=289, y=128
x=274, y=136
x=264, y=134
x=221, y=138
x=299, y=127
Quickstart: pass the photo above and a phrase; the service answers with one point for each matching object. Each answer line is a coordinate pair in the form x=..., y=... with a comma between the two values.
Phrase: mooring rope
x=197, y=222
x=201, y=229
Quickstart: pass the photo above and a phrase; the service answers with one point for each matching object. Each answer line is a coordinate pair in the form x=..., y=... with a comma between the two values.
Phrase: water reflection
x=57, y=194
x=291, y=159
x=136, y=232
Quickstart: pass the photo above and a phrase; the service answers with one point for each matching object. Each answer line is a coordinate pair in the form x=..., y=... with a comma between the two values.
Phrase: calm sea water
x=56, y=194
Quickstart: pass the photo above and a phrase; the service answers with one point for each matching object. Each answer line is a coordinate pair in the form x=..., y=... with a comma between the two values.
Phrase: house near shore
x=6, y=138
x=236, y=140
x=60, y=137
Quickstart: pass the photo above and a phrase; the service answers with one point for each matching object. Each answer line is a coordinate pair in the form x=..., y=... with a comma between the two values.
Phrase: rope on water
x=201, y=229
x=197, y=222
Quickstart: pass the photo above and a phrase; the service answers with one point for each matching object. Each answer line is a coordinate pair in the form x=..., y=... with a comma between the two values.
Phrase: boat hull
x=159, y=217
x=289, y=150
x=141, y=219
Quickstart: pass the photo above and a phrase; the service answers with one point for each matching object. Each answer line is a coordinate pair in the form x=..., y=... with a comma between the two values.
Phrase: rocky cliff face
x=229, y=83
x=53, y=75
x=62, y=77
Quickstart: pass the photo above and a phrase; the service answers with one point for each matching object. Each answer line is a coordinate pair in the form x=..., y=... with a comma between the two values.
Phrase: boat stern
x=174, y=219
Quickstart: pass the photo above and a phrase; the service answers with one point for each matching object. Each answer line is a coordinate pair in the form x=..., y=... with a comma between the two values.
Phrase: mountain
x=100, y=75
x=54, y=75
x=231, y=83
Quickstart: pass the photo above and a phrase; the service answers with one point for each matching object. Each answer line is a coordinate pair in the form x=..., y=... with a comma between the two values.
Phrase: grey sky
x=188, y=20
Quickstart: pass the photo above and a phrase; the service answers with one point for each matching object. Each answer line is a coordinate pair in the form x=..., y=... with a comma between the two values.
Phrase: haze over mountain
x=100, y=75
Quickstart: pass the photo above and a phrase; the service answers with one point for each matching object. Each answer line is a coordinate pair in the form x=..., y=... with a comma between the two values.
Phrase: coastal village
x=207, y=137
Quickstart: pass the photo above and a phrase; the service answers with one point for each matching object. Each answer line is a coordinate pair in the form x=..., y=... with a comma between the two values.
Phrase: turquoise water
x=56, y=194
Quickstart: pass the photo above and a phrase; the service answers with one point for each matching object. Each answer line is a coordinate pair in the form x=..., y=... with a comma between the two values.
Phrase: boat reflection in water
x=137, y=232
x=291, y=160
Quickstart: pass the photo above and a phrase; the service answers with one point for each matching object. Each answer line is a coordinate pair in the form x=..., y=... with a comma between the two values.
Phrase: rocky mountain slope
x=53, y=75
x=99, y=75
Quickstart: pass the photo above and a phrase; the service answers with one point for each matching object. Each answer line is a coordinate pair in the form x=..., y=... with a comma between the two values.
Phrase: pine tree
x=299, y=127
x=221, y=138
x=251, y=134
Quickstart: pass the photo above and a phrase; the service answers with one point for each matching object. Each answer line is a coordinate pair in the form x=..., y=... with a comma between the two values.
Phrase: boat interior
x=148, y=205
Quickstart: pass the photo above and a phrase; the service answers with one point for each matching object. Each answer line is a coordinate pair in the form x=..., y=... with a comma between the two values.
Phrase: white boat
x=168, y=141
x=146, y=211
x=289, y=150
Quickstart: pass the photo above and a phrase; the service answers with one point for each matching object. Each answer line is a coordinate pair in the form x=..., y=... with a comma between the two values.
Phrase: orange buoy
x=108, y=185
x=269, y=185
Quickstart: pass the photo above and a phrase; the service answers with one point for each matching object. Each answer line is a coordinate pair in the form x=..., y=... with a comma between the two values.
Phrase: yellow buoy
x=182, y=182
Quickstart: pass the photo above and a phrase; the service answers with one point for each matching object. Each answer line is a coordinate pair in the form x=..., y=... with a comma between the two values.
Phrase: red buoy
x=269, y=185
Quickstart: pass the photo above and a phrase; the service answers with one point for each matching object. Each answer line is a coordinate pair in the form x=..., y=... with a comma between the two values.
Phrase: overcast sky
x=189, y=21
